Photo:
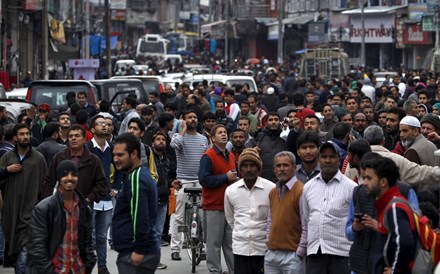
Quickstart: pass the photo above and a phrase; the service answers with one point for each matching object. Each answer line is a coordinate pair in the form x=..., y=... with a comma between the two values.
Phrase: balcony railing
x=251, y=11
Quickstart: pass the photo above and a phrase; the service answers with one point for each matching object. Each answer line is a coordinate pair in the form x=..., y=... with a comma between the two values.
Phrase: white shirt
x=246, y=212
x=326, y=210
x=102, y=205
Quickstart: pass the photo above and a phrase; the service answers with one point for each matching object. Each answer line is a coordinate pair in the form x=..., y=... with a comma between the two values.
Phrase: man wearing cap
x=40, y=122
x=418, y=149
x=287, y=234
x=326, y=199
x=216, y=172
x=60, y=231
x=430, y=128
x=246, y=210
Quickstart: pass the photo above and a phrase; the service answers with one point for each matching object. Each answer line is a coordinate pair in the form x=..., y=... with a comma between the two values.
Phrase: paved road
x=174, y=267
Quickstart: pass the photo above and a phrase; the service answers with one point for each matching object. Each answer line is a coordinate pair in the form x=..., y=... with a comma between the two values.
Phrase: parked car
x=53, y=92
x=17, y=93
x=108, y=88
x=229, y=80
x=151, y=83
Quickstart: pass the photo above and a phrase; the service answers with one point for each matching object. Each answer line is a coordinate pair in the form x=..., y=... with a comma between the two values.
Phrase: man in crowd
x=269, y=142
x=134, y=234
x=92, y=182
x=81, y=99
x=216, y=172
x=287, y=240
x=154, y=100
x=129, y=106
x=22, y=172
x=189, y=146
x=307, y=149
x=51, y=144
x=394, y=116
x=64, y=122
x=245, y=112
x=430, y=128
x=326, y=199
x=398, y=235
x=257, y=111
x=418, y=149
x=241, y=199
x=61, y=228
x=222, y=117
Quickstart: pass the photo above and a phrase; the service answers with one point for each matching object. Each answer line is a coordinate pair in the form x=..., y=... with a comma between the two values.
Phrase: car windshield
x=55, y=95
x=232, y=83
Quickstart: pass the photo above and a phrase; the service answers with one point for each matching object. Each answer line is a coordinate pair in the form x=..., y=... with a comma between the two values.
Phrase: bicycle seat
x=193, y=190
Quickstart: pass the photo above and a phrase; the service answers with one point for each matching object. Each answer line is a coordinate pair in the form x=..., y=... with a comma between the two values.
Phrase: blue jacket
x=135, y=215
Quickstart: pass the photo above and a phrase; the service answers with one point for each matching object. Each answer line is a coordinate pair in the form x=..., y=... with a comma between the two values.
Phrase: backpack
x=428, y=242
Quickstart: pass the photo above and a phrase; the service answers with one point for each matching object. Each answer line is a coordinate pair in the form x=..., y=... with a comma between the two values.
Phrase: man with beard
x=418, y=149
x=243, y=124
x=64, y=122
x=329, y=120
x=23, y=170
x=51, y=144
x=397, y=232
x=307, y=149
x=151, y=126
x=92, y=182
x=287, y=239
x=3, y=116
x=102, y=211
x=216, y=172
x=166, y=171
x=237, y=141
x=134, y=235
x=189, y=146
x=246, y=210
x=326, y=199
x=394, y=116
x=269, y=142
x=360, y=123
x=222, y=118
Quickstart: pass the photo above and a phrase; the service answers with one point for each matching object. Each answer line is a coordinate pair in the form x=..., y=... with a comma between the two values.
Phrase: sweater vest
x=213, y=198
x=425, y=150
x=285, y=232
x=362, y=250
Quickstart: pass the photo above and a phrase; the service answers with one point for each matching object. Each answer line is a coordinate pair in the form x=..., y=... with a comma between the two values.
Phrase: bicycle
x=193, y=230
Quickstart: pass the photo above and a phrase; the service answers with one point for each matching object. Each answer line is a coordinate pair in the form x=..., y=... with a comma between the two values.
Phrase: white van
x=228, y=80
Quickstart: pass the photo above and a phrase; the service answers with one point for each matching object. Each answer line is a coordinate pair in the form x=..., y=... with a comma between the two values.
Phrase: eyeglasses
x=101, y=124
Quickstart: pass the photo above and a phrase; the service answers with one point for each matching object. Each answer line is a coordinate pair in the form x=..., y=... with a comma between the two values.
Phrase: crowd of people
x=300, y=177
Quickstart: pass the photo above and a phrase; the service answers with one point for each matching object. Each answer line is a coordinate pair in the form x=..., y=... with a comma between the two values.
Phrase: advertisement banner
x=379, y=28
x=414, y=35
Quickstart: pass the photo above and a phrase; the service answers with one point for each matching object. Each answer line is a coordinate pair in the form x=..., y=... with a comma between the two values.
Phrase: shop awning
x=217, y=29
x=375, y=9
x=265, y=20
x=299, y=20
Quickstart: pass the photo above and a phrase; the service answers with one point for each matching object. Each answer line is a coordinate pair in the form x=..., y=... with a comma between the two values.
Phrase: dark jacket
x=49, y=148
x=47, y=229
x=166, y=171
x=91, y=179
x=270, y=143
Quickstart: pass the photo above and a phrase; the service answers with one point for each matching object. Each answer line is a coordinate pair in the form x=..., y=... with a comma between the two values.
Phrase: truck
x=325, y=63
x=180, y=43
x=152, y=45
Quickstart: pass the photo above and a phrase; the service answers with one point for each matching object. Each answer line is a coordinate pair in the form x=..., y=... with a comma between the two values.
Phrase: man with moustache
x=23, y=170
x=246, y=210
x=418, y=149
x=287, y=239
x=216, y=172
x=134, y=235
x=222, y=117
x=238, y=139
x=55, y=222
x=326, y=199
x=394, y=116
x=64, y=122
x=92, y=182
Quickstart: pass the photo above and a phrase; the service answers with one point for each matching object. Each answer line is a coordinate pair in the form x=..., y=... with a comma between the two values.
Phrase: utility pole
x=227, y=34
x=280, y=31
x=45, y=55
x=107, y=38
x=87, y=36
x=362, y=34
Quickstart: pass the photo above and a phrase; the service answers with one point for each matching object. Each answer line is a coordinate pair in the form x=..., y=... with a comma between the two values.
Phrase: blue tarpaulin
x=97, y=44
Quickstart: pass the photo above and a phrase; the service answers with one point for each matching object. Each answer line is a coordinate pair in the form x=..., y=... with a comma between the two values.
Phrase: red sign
x=414, y=35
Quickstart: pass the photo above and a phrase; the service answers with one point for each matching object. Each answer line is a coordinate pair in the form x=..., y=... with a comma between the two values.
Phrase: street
x=174, y=267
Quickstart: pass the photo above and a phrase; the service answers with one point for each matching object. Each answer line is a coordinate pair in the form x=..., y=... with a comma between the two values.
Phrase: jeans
x=110, y=237
x=102, y=221
x=20, y=264
x=162, y=210
x=2, y=244
x=279, y=261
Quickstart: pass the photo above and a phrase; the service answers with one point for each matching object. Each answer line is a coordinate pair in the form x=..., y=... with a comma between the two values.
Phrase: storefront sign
x=414, y=35
x=378, y=29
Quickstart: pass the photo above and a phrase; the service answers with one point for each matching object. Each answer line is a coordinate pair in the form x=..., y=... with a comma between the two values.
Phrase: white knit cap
x=410, y=121
x=270, y=90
